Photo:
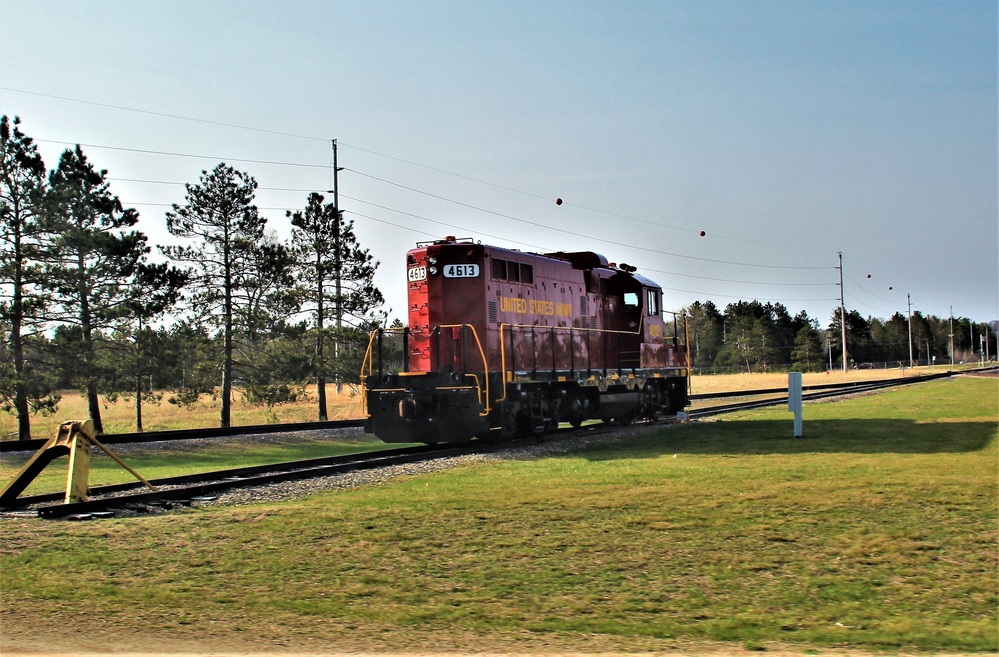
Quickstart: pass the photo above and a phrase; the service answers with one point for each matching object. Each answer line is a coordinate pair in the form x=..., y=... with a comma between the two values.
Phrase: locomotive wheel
x=509, y=428
x=575, y=409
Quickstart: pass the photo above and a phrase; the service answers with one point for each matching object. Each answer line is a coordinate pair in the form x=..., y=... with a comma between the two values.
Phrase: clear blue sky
x=786, y=131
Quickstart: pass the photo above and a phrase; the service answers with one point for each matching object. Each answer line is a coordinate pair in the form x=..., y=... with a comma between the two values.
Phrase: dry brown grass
x=711, y=383
x=119, y=417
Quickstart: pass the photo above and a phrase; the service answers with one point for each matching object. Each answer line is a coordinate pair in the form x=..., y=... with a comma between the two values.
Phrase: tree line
x=83, y=306
x=82, y=302
x=751, y=336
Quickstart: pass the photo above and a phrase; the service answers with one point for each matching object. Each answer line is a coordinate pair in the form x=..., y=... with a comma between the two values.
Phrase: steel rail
x=231, y=473
x=191, y=434
x=189, y=486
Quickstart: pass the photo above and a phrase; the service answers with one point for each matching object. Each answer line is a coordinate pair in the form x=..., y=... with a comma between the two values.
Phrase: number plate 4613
x=461, y=271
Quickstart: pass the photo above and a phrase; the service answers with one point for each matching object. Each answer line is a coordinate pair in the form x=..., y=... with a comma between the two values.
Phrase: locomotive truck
x=503, y=343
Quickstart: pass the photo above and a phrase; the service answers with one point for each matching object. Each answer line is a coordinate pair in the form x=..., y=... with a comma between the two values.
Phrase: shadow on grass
x=820, y=436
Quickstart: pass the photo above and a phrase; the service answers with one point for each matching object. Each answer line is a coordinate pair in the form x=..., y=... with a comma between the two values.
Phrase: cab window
x=653, y=302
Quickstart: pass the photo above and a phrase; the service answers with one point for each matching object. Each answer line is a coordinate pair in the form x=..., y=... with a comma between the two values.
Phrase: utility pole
x=908, y=300
x=338, y=273
x=952, y=337
x=842, y=308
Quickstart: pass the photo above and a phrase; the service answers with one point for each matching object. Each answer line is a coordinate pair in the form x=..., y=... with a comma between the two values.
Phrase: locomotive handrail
x=485, y=363
x=504, y=325
x=368, y=361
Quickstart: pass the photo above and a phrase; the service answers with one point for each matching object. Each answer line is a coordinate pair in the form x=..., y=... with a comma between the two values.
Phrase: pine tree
x=337, y=280
x=155, y=289
x=807, y=353
x=22, y=299
x=90, y=258
x=221, y=219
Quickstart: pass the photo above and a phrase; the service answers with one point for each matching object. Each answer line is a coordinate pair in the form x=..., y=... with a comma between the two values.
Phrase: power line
x=461, y=228
x=525, y=221
x=657, y=224
x=441, y=223
x=201, y=157
x=383, y=155
x=732, y=280
x=412, y=189
x=162, y=114
x=569, y=232
x=180, y=184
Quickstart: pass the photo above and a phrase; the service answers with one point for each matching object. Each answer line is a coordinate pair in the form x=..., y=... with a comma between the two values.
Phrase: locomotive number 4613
x=461, y=271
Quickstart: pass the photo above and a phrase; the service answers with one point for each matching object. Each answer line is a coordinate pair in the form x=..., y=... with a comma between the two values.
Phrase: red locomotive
x=504, y=343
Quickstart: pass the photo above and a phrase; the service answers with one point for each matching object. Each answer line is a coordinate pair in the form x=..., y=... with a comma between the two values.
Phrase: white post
x=794, y=400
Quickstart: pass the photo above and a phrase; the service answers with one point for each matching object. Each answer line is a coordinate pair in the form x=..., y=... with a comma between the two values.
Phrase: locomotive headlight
x=433, y=271
x=432, y=260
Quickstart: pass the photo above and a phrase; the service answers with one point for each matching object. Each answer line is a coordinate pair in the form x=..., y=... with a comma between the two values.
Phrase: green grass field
x=877, y=531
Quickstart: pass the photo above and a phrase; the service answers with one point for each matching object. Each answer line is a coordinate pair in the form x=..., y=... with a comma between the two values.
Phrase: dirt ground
x=101, y=638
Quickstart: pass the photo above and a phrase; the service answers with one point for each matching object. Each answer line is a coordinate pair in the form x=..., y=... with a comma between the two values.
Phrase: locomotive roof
x=578, y=259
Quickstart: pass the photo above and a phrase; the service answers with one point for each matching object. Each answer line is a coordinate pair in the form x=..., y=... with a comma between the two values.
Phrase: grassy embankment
x=119, y=416
x=876, y=531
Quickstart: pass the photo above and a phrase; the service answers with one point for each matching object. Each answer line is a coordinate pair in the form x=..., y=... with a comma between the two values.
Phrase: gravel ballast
x=295, y=489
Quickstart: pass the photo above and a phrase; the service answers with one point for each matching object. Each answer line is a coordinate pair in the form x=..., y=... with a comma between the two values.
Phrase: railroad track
x=187, y=488
x=190, y=434
x=816, y=393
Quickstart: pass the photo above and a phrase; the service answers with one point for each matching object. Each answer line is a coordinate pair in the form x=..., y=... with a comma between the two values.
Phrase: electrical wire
x=162, y=114
x=461, y=228
x=439, y=197
x=657, y=224
x=201, y=157
x=569, y=232
x=383, y=155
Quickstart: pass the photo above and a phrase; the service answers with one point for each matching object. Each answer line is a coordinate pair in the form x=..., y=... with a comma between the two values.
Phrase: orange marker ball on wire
x=702, y=233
